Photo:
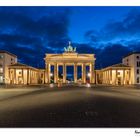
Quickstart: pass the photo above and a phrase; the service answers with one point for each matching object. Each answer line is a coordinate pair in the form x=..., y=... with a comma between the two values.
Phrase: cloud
x=30, y=33
x=127, y=30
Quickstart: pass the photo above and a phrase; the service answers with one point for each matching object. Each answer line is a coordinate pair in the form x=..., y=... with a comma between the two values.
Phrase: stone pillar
x=64, y=73
x=124, y=77
x=84, y=73
x=116, y=78
x=55, y=73
x=130, y=80
x=75, y=73
x=22, y=76
x=91, y=73
x=27, y=76
x=15, y=77
x=111, y=76
x=46, y=74
x=49, y=65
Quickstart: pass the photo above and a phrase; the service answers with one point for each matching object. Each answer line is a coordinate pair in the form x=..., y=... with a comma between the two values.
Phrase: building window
x=138, y=80
x=138, y=63
x=1, y=70
x=11, y=59
x=1, y=56
x=19, y=72
x=1, y=79
x=138, y=71
x=127, y=60
x=137, y=57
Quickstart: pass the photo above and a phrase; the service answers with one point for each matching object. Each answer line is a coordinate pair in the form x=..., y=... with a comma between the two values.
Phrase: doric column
x=116, y=77
x=49, y=65
x=84, y=73
x=64, y=73
x=55, y=73
x=27, y=76
x=75, y=72
x=22, y=76
x=91, y=73
x=47, y=72
x=111, y=76
x=123, y=77
x=108, y=77
x=15, y=77
x=130, y=80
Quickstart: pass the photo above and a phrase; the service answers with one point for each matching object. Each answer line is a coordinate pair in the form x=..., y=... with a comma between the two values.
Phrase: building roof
x=2, y=51
x=137, y=52
x=20, y=65
x=120, y=65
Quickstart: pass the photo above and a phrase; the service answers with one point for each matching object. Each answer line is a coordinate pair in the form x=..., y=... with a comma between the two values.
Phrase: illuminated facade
x=24, y=74
x=133, y=60
x=6, y=59
x=118, y=74
x=125, y=73
x=69, y=58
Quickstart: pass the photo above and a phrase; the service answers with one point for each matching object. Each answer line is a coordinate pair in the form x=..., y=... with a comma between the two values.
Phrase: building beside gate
x=133, y=60
x=23, y=74
x=6, y=59
x=118, y=74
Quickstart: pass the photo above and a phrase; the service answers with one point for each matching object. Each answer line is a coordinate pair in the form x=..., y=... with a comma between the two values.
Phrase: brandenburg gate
x=69, y=58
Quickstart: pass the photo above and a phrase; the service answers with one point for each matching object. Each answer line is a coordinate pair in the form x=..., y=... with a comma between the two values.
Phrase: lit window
x=1, y=79
x=1, y=70
x=1, y=56
x=138, y=63
x=138, y=80
x=138, y=71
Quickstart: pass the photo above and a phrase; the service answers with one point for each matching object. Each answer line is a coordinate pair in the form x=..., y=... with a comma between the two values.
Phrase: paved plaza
x=70, y=106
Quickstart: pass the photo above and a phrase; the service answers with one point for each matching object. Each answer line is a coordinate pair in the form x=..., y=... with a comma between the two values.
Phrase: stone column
x=22, y=76
x=111, y=76
x=130, y=80
x=55, y=73
x=75, y=72
x=116, y=77
x=64, y=73
x=124, y=77
x=91, y=73
x=46, y=73
x=84, y=73
x=49, y=65
x=15, y=77
x=27, y=76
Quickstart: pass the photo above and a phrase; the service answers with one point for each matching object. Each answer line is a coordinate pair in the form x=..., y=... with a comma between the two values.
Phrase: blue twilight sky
x=109, y=32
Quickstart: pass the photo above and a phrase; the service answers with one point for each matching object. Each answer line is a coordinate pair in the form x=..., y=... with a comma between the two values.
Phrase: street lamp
x=89, y=74
x=51, y=74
